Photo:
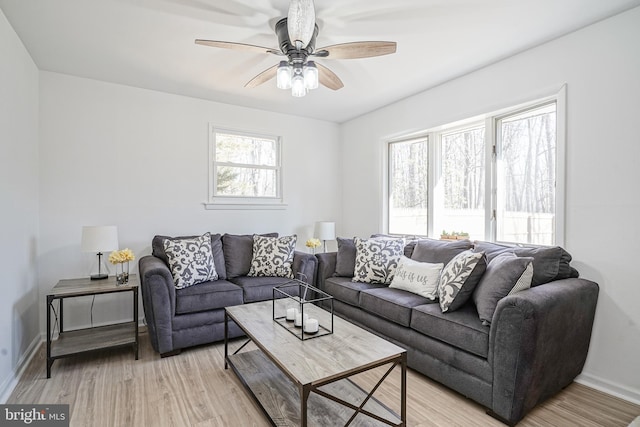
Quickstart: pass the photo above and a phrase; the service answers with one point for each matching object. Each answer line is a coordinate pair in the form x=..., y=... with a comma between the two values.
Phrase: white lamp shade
x=283, y=75
x=101, y=238
x=311, y=75
x=297, y=86
x=326, y=230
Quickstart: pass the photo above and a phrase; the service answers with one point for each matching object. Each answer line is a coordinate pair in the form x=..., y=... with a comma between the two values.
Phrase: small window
x=245, y=168
x=408, y=186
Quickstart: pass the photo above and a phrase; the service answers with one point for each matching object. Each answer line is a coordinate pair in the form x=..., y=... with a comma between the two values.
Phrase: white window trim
x=245, y=203
x=434, y=135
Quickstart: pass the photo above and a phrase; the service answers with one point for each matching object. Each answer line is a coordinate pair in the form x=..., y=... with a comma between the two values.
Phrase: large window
x=494, y=178
x=245, y=167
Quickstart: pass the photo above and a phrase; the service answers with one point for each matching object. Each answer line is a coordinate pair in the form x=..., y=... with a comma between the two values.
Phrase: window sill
x=245, y=206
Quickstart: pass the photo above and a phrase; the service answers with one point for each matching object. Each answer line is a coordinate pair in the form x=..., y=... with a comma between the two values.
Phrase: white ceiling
x=150, y=44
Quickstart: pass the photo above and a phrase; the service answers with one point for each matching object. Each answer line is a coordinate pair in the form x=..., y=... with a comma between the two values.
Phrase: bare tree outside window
x=463, y=178
x=527, y=173
x=246, y=166
x=408, y=187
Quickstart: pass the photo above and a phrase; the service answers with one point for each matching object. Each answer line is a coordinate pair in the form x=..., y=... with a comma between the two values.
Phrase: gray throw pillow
x=272, y=256
x=549, y=262
x=439, y=251
x=506, y=274
x=238, y=253
x=190, y=260
x=459, y=278
x=157, y=250
x=346, y=258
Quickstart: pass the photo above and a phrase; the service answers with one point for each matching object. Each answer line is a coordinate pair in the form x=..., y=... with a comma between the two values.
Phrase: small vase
x=122, y=273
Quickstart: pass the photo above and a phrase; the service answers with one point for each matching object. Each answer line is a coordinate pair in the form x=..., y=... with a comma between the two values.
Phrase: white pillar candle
x=311, y=326
x=300, y=319
x=291, y=314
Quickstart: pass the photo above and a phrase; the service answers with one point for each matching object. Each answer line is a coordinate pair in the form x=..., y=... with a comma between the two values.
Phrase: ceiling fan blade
x=238, y=46
x=328, y=78
x=264, y=76
x=356, y=50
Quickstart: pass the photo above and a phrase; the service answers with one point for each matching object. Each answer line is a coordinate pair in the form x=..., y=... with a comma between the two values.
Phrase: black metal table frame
x=306, y=389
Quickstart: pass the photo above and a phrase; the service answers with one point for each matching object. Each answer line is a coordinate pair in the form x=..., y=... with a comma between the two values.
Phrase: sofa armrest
x=305, y=264
x=538, y=343
x=326, y=267
x=158, y=301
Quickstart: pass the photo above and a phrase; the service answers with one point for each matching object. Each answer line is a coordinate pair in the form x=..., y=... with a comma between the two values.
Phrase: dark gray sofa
x=181, y=318
x=536, y=344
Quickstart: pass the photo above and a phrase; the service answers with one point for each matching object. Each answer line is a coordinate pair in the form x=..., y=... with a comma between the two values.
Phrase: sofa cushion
x=190, y=260
x=436, y=251
x=506, y=274
x=238, y=252
x=549, y=262
x=377, y=259
x=157, y=250
x=261, y=288
x=391, y=304
x=461, y=328
x=420, y=278
x=272, y=256
x=346, y=290
x=459, y=278
x=346, y=258
x=207, y=296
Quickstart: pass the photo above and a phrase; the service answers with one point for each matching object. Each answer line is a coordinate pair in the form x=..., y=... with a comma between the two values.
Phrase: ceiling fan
x=297, y=39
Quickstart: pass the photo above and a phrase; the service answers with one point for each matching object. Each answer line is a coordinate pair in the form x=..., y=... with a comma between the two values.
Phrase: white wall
x=19, y=205
x=601, y=67
x=112, y=154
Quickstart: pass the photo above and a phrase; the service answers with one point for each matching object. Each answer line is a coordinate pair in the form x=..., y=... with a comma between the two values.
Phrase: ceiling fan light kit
x=297, y=41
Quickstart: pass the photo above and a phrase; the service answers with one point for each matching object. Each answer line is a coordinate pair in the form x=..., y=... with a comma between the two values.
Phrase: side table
x=78, y=341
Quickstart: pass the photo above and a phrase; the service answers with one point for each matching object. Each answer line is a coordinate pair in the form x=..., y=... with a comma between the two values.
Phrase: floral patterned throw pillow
x=459, y=278
x=377, y=259
x=272, y=256
x=190, y=260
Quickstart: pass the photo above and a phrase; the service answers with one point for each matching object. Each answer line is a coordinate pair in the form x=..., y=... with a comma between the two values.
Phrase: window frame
x=490, y=121
x=216, y=201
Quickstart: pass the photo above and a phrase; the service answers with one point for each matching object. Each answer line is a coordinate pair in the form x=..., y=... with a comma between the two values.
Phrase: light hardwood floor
x=110, y=388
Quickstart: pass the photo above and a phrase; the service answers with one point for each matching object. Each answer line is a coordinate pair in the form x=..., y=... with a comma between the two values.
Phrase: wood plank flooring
x=111, y=388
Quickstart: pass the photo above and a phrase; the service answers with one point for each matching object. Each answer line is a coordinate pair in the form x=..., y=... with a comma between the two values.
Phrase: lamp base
x=99, y=276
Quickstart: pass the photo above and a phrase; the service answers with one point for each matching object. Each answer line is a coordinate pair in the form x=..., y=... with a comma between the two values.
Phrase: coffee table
x=306, y=383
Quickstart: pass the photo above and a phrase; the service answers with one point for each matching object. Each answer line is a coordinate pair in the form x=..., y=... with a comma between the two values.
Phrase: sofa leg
x=499, y=418
x=171, y=353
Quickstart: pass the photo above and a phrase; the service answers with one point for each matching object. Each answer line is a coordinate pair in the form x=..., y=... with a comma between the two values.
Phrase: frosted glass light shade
x=301, y=21
x=325, y=230
x=283, y=76
x=297, y=86
x=103, y=238
x=310, y=75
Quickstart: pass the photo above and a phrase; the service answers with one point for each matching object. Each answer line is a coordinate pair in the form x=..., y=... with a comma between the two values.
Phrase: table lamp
x=103, y=238
x=325, y=230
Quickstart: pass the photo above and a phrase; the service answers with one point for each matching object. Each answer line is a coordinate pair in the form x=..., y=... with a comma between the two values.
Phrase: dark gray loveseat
x=536, y=344
x=181, y=318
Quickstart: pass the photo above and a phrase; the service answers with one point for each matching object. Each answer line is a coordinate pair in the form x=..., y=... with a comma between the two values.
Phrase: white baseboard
x=7, y=386
x=609, y=387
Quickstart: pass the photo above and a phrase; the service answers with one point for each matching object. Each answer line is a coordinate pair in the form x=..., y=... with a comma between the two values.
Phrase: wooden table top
x=86, y=286
x=349, y=349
